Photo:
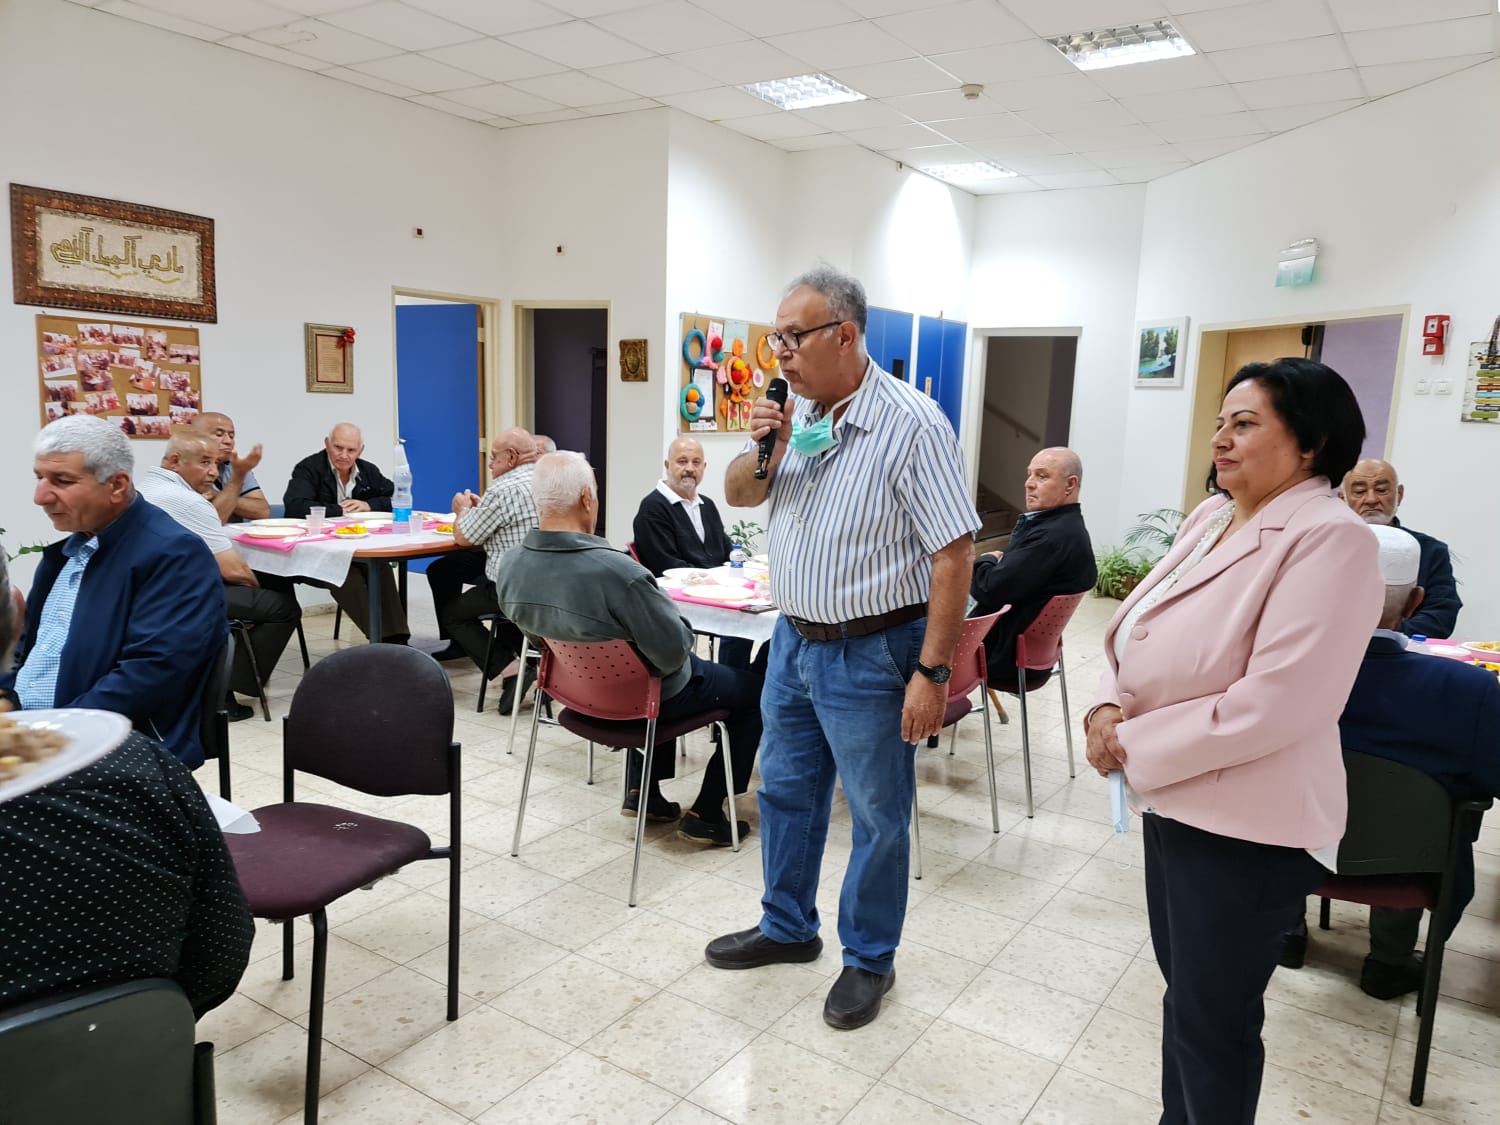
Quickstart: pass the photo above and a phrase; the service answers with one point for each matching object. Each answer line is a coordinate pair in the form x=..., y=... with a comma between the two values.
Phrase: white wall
x=1067, y=260
x=1404, y=196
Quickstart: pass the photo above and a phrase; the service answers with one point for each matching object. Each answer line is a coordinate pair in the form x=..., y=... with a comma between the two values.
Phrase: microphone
x=776, y=392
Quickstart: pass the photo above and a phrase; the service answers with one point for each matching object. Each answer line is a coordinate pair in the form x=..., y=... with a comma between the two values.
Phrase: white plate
x=275, y=532
x=91, y=735
x=720, y=593
x=686, y=573
x=351, y=534
x=373, y=517
x=762, y=560
x=278, y=522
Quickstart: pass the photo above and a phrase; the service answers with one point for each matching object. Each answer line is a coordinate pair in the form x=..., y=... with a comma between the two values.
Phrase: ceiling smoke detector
x=971, y=91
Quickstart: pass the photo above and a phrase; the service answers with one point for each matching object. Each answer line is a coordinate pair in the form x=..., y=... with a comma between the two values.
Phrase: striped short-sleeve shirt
x=854, y=529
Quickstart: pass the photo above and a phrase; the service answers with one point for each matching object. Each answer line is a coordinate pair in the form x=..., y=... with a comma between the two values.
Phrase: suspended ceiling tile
x=820, y=140
x=775, y=126
x=896, y=79
x=1194, y=103
x=1388, y=78
x=1052, y=164
x=930, y=156
x=1010, y=62
x=1067, y=180
x=238, y=16
x=955, y=27
x=422, y=74
x=1000, y=126
x=126, y=10
x=1209, y=128
x=501, y=100
x=948, y=105
x=1014, y=149
x=672, y=25
x=370, y=82
x=320, y=40
x=316, y=7
x=489, y=16
x=408, y=28
x=275, y=54
x=1280, y=60
x=1012, y=186
x=1054, y=118
x=718, y=104
x=650, y=78
x=433, y=101
x=1255, y=24
x=550, y=117
x=1363, y=15
x=1094, y=138
x=492, y=59
x=588, y=9
x=896, y=136
x=780, y=17
x=572, y=88
x=739, y=63
x=1191, y=73
x=1447, y=39
x=1282, y=118
x=851, y=44
x=1302, y=89
x=1133, y=156
x=1198, y=151
x=1060, y=17
x=848, y=116
x=610, y=109
x=1064, y=89
x=1147, y=172
x=576, y=44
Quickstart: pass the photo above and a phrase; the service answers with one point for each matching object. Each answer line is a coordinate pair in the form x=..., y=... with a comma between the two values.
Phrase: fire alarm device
x=1434, y=334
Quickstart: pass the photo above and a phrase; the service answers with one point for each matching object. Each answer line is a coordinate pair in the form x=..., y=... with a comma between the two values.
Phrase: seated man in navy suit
x=676, y=526
x=1428, y=712
x=127, y=613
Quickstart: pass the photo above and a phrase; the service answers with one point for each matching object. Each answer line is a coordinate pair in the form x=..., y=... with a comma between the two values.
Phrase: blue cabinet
x=888, y=339
x=940, y=357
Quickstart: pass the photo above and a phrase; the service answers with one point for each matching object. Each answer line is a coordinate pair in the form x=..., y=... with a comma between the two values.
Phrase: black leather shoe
x=1386, y=982
x=237, y=711
x=452, y=652
x=854, y=999
x=658, y=808
x=509, y=697
x=750, y=949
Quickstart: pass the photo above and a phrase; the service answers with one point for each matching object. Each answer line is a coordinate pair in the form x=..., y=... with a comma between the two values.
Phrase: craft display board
x=1482, y=383
x=720, y=384
x=145, y=378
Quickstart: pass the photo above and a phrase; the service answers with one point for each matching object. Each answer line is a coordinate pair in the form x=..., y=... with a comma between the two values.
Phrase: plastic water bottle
x=1418, y=643
x=737, y=556
x=401, y=498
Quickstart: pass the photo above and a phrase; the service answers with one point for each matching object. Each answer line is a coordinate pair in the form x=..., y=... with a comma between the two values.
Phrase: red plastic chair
x=610, y=697
x=630, y=549
x=970, y=671
x=397, y=741
x=1040, y=649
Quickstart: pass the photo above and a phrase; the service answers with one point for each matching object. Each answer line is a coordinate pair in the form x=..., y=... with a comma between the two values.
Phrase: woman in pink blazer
x=1227, y=670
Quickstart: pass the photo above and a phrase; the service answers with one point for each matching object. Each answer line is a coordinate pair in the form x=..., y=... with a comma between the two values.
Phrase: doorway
x=1364, y=347
x=563, y=369
x=1027, y=407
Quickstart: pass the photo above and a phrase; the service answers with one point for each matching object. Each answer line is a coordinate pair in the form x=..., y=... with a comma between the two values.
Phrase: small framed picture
x=1161, y=352
x=330, y=358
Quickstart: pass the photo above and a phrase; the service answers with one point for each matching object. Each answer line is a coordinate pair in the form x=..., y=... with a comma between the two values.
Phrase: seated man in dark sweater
x=113, y=873
x=1049, y=554
x=677, y=526
x=567, y=584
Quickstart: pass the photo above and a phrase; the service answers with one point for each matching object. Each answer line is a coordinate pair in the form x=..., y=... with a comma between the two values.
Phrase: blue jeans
x=833, y=709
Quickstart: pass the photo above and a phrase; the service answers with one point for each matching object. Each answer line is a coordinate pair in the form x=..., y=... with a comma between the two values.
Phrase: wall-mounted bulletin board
x=145, y=378
x=725, y=365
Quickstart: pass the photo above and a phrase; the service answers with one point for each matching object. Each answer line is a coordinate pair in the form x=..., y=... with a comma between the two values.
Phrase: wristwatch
x=938, y=675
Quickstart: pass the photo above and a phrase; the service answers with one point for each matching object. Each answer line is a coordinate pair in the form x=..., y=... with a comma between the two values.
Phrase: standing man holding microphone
x=871, y=543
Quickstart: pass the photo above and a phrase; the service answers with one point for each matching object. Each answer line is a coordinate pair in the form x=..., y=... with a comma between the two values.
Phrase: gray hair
x=105, y=448
x=560, y=479
x=185, y=445
x=846, y=296
x=10, y=628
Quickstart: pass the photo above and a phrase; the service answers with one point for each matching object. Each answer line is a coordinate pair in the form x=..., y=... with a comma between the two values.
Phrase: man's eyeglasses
x=791, y=341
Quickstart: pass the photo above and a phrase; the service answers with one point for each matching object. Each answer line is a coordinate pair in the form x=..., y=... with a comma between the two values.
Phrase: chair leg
x=1025, y=742
x=515, y=706
x=953, y=741
x=640, y=820
x=302, y=644
x=515, y=844
x=1432, y=972
x=224, y=774
x=916, y=839
x=1062, y=683
x=338, y=619
x=989, y=759
x=1323, y=913
x=999, y=707
x=591, y=763
x=454, y=900
x=315, y=1018
x=734, y=821
x=260, y=688
x=287, y=966
x=484, y=680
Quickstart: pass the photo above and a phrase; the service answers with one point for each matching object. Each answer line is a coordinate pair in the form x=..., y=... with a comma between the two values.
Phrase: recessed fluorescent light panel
x=1122, y=46
x=806, y=91
x=972, y=172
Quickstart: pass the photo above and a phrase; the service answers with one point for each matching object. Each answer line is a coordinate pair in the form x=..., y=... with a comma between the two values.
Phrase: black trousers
x=460, y=620
x=447, y=575
x=272, y=615
x=1219, y=907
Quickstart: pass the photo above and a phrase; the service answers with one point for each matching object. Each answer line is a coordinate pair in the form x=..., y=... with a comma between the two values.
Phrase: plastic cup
x=315, y=518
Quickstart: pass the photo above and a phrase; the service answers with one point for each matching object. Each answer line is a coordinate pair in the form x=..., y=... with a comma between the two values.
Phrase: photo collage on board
x=145, y=378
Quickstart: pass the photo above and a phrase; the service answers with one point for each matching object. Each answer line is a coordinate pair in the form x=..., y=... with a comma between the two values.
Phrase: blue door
x=940, y=358
x=438, y=402
x=888, y=339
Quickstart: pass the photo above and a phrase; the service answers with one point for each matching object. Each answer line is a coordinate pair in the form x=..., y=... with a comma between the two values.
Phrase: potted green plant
x=747, y=534
x=1119, y=571
x=1154, y=533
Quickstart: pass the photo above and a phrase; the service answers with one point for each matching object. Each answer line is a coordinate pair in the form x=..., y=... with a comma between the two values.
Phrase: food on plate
x=21, y=747
x=688, y=575
x=444, y=529
x=352, y=530
x=1484, y=646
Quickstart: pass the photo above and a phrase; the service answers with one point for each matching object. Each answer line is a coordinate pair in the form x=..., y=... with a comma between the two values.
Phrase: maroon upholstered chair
x=1401, y=849
x=969, y=672
x=1040, y=649
x=389, y=734
x=610, y=697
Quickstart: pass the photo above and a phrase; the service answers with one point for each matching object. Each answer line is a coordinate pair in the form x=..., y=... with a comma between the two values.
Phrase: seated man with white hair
x=567, y=584
x=1431, y=713
x=126, y=614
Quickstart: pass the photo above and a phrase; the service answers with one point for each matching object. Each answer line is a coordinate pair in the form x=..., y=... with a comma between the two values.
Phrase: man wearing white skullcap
x=1428, y=712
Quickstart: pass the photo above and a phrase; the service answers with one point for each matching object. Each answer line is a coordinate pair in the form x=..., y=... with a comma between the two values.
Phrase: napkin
x=231, y=817
x=1118, y=809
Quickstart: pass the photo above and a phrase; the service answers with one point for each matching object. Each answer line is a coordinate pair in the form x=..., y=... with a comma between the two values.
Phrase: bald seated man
x=339, y=479
x=544, y=445
x=177, y=486
x=1049, y=554
x=1374, y=491
x=234, y=492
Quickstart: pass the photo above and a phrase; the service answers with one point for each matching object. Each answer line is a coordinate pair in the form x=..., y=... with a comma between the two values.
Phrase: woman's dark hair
x=1316, y=405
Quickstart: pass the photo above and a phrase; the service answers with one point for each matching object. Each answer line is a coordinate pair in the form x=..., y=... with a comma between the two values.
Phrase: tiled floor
x=1027, y=990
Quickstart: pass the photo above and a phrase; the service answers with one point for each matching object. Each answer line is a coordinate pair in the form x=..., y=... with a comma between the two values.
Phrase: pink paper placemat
x=680, y=596
x=281, y=544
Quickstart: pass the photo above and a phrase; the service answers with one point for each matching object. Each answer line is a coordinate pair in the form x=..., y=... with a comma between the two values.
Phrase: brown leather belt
x=859, y=627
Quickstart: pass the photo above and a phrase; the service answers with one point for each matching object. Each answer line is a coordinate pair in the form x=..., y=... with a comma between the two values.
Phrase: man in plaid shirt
x=497, y=522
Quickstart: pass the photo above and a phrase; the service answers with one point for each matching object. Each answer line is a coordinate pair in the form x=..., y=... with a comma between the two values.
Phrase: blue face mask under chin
x=812, y=440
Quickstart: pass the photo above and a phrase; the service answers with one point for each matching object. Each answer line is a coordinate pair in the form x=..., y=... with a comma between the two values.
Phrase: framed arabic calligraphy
x=80, y=252
x=144, y=378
